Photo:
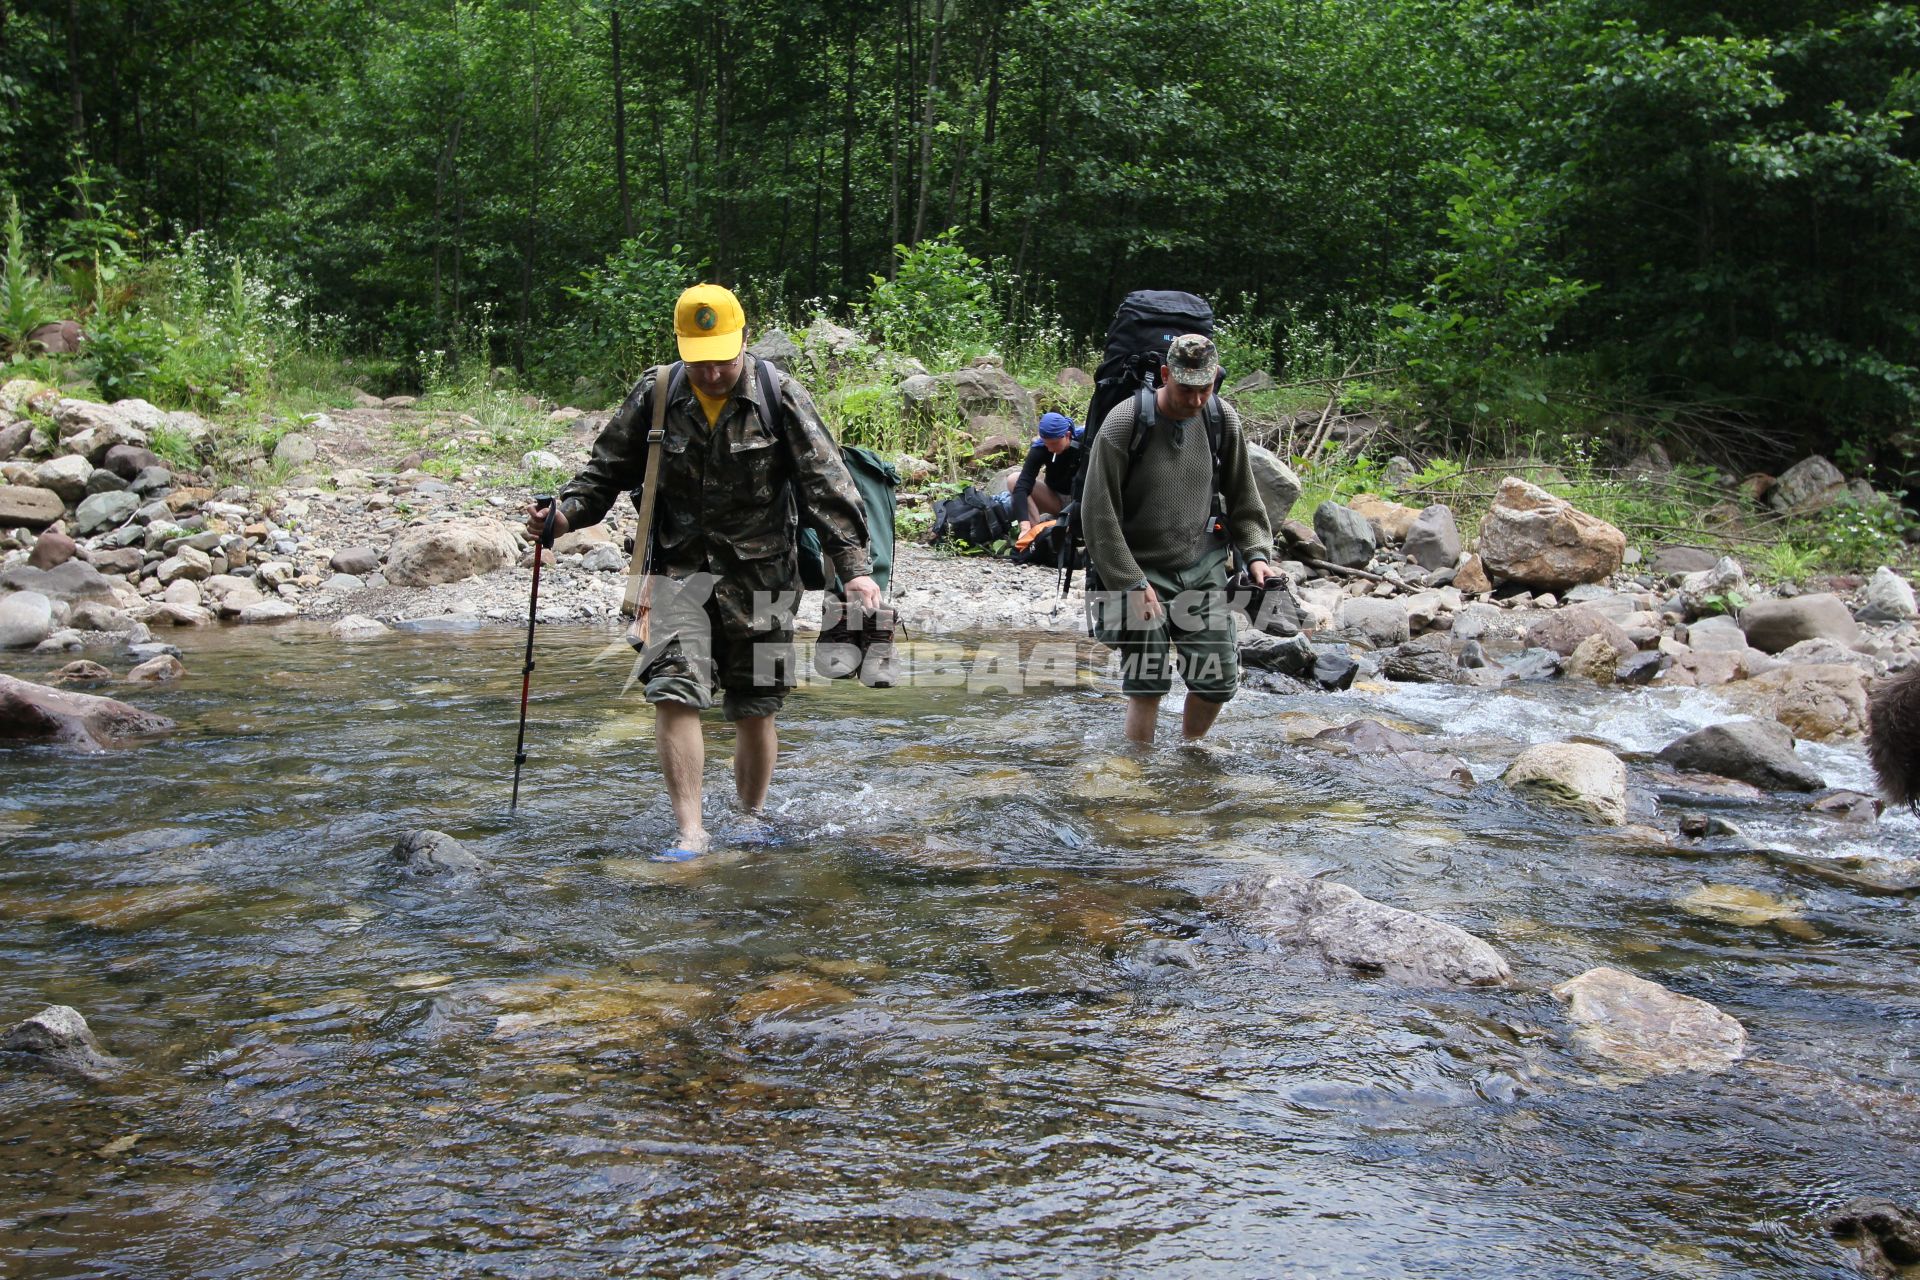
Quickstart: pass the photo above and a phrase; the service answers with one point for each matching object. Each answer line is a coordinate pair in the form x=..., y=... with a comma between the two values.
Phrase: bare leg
x=683, y=757
x=1043, y=501
x=1198, y=716
x=1143, y=713
x=756, y=743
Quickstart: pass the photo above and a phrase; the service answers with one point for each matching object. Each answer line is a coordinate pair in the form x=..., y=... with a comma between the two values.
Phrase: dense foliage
x=1663, y=203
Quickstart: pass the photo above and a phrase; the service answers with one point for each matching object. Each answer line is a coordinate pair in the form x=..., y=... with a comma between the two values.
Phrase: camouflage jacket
x=727, y=501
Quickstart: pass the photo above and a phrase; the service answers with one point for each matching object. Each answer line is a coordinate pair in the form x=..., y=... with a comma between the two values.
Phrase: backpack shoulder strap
x=769, y=397
x=1143, y=414
x=1216, y=429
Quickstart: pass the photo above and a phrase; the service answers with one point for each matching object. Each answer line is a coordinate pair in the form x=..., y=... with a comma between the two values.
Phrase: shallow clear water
x=919, y=1037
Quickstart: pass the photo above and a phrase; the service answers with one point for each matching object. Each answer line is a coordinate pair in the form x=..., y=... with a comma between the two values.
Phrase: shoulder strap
x=769, y=396
x=1216, y=428
x=1143, y=415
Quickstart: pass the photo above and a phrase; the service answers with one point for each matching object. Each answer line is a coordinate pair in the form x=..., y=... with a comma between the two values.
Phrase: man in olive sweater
x=1158, y=527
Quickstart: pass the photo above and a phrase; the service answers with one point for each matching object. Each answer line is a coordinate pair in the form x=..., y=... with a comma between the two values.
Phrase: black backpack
x=1143, y=328
x=972, y=520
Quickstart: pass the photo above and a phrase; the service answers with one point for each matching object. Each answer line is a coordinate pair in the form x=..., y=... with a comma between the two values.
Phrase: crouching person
x=1169, y=489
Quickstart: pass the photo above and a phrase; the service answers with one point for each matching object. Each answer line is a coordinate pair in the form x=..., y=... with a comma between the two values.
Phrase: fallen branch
x=1330, y=567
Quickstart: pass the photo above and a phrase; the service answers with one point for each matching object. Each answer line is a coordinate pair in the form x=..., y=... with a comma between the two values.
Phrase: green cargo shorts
x=701, y=640
x=1195, y=634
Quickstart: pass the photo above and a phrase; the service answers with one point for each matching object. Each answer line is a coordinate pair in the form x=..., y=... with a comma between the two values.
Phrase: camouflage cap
x=1193, y=360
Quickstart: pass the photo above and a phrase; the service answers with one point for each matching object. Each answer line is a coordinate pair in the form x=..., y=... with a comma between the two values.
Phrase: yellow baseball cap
x=709, y=324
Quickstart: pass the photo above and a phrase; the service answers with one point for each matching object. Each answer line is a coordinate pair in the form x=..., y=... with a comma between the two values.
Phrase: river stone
x=431, y=853
x=777, y=349
x=357, y=626
x=29, y=506
x=428, y=555
x=65, y=477
x=1346, y=534
x=1427, y=660
x=1390, y=520
x=56, y=1039
x=1887, y=597
x=604, y=559
x=983, y=388
x=1643, y=1025
x=37, y=711
x=158, y=670
x=1564, y=629
x=1816, y=701
x=1575, y=775
x=1737, y=904
x=1381, y=623
x=295, y=451
x=358, y=561
x=1433, y=540
x=1886, y=1235
x=26, y=618
x=50, y=549
x=1531, y=537
x=1809, y=485
x=103, y=511
x=1471, y=578
x=72, y=417
x=1719, y=634
x=1756, y=751
x=1279, y=486
x=1597, y=659
x=13, y=438
x=1350, y=929
x=265, y=610
x=1773, y=625
x=83, y=672
x=128, y=460
x=104, y=481
x=188, y=563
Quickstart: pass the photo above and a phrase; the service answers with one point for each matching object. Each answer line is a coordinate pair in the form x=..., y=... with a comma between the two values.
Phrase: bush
x=939, y=305
x=626, y=308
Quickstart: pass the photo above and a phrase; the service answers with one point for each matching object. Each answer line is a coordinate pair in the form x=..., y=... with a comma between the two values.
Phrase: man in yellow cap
x=742, y=443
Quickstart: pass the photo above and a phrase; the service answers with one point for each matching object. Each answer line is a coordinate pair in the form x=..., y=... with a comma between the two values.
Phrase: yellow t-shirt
x=712, y=406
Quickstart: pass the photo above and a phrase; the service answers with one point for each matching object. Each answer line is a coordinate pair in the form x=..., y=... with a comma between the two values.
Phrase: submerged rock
x=56, y=1039
x=1887, y=1235
x=1350, y=929
x=1641, y=1024
x=36, y=711
x=1575, y=775
x=432, y=853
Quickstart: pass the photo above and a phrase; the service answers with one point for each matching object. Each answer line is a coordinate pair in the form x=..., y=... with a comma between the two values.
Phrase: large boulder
x=1381, y=623
x=1352, y=930
x=51, y=549
x=449, y=551
x=1809, y=485
x=1427, y=660
x=1433, y=540
x=1756, y=751
x=1644, y=1026
x=1531, y=537
x=35, y=711
x=1347, y=535
x=78, y=417
x=56, y=1039
x=73, y=583
x=294, y=451
x=1574, y=775
x=1564, y=629
x=777, y=349
x=831, y=347
x=127, y=461
x=1279, y=486
x=1886, y=597
x=1817, y=701
x=26, y=618
x=1772, y=625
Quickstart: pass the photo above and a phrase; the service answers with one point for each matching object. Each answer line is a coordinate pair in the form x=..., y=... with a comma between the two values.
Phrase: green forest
x=1495, y=215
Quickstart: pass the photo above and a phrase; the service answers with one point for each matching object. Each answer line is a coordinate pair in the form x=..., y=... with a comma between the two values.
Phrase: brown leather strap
x=637, y=598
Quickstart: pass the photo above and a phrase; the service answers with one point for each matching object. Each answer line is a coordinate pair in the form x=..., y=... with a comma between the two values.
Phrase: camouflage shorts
x=701, y=640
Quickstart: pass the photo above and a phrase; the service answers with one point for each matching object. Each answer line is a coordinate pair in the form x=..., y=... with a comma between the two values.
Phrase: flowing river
x=971, y=1015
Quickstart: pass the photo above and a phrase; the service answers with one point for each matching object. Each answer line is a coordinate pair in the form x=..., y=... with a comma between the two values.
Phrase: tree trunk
x=530, y=252
x=993, y=116
x=848, y=119
x=620, y=131
x=77, y=120
x=926, y=122
x=722, y=159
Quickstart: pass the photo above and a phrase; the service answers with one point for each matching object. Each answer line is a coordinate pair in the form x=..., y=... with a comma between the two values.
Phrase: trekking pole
x=526, y=672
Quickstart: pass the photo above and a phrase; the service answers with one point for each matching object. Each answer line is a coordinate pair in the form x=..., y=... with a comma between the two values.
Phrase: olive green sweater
x=1153, y=514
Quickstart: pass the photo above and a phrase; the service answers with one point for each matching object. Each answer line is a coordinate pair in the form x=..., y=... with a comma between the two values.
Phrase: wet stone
x=432, y=853
x=57, y=1039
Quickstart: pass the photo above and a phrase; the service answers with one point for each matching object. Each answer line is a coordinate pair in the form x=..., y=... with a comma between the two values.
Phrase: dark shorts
x=1195, y=635
x=700, y=641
